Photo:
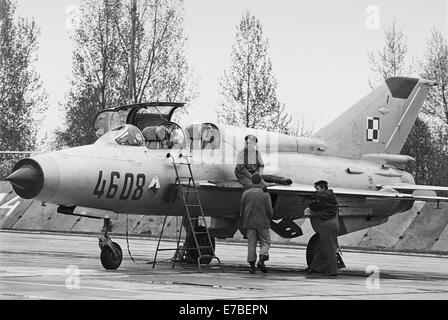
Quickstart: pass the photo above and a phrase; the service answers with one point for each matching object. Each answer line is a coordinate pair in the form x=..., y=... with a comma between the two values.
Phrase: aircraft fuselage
x=124, y=179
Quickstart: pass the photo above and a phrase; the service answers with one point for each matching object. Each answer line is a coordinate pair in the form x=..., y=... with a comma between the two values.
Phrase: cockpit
x=125, y=135
x=167, y=135
x=152, y=121
x=150, y=125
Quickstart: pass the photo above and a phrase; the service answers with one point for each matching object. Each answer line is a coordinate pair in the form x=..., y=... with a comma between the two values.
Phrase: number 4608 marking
x=127, y=187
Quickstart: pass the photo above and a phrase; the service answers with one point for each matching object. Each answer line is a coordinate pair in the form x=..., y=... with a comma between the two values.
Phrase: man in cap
x=248, y=162
x=256, y=215
x=324, y=220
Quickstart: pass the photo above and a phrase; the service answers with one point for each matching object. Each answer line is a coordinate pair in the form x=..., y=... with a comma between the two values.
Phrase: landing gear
x=109, y=259
x=111, y=254
x=190, y=254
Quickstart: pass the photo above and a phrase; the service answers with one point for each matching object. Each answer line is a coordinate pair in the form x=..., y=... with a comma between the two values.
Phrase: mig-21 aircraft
x=135, y=167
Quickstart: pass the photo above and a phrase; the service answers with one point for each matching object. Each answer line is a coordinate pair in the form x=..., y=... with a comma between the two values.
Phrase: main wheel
x=312, y=248
x=108, y=259
x=192, y=255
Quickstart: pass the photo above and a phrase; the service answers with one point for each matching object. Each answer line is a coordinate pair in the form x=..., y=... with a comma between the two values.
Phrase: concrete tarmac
x=65, y=266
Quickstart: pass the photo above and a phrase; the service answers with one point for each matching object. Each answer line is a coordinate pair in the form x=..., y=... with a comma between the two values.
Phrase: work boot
x=252, y=267
x=310, y=270
x=261, y=265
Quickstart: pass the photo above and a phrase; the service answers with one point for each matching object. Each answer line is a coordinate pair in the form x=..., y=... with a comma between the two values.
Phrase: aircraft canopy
x=125, y=135
x=167, y=135
x=140, y=115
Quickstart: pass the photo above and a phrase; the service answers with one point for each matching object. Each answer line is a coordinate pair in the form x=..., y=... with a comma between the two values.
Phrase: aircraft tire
x=108, y=259
x=191, y=255
x=312, y=247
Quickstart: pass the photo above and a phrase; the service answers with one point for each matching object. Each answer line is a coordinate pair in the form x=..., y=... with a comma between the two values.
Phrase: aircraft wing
x=302, y=189
x=412, y=187
x=220, y=185
x=308, y=190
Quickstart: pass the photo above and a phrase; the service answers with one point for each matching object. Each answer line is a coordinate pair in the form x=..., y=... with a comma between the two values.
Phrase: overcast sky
x=318, y=48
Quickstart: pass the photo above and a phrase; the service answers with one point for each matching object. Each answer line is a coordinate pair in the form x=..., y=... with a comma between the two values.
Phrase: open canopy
x=141, y=115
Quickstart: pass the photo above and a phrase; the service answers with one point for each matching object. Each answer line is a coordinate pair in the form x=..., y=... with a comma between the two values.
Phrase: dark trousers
x=325, y=259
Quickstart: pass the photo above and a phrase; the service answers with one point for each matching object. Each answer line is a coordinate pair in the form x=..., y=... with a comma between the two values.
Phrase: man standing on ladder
x=256, y=214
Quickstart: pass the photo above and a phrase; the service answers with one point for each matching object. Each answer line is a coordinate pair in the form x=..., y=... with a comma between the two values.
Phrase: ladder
x=198, y=243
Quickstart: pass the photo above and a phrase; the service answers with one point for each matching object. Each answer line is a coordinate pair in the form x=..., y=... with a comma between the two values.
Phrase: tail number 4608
x=128, y=187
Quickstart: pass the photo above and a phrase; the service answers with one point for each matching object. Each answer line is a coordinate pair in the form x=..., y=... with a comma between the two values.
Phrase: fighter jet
x=133, y=167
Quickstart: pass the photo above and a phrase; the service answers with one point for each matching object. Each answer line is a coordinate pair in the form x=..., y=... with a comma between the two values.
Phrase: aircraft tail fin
x=378, y=123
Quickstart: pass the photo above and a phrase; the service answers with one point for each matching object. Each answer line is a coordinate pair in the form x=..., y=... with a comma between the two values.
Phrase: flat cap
x=321, y=183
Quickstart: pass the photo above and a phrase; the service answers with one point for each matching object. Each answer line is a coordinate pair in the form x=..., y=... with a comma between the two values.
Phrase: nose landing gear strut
x=111, y=254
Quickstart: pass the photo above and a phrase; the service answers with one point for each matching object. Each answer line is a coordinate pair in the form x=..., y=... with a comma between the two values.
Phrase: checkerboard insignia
x=373, y=129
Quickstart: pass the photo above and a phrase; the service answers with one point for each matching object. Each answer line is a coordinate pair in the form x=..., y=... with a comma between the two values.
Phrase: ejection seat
x=163, y=133
x=151, y=139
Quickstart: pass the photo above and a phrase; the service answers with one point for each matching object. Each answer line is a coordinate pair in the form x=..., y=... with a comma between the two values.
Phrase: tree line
x=112, y=68
x=22, y=96
x=428, y=139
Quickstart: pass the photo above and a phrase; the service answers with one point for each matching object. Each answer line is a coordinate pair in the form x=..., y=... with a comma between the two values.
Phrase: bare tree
x=435, y=108
x=421, y=143
x=103, y=63
x=97, y=77
x=390, y=61
x=22, y=98
x=161, y=67
x=248, y=86
x=282, y=121
x=300, y=130
x=435, y=67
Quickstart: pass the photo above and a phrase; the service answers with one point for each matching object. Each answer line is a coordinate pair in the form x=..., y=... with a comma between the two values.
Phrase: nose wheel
x=111, y=254
x=109, y=259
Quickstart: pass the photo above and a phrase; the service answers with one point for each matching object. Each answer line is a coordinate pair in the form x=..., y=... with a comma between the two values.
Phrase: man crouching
x=256, y=215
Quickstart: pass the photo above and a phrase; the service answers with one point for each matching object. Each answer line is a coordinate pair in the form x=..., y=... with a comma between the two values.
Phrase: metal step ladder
x=199, y=244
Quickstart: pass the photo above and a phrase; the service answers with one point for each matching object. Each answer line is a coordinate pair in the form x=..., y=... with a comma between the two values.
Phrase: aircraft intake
x=27, y=178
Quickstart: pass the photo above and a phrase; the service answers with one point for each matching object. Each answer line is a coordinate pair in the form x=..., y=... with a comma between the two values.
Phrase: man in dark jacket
x=248, y=162
x=256, y=215
x=324, y=221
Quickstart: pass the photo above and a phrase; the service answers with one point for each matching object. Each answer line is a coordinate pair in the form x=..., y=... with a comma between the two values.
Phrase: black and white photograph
x=223, y=156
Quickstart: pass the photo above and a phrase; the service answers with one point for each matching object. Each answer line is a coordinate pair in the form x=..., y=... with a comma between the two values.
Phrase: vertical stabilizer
x=380, y=122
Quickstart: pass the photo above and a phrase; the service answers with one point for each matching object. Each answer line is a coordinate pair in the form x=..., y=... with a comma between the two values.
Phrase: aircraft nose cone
x=23, y=178
x=27, y=179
